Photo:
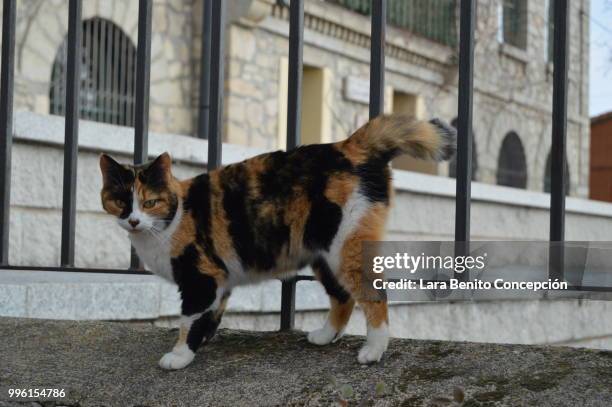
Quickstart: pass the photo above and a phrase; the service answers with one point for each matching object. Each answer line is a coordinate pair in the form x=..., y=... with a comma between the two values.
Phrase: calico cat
x=267, y=217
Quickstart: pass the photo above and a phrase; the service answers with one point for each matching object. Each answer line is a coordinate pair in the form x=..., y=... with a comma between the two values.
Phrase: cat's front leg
x=193, y=331
x=203, y=303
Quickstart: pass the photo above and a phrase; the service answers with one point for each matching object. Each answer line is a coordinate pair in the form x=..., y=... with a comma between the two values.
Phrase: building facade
x=600, y=187
x=513, y=74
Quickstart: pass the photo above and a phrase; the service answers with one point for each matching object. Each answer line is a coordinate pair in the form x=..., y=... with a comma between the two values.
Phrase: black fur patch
x=203, y=328
x=375, y=176
x=120, y=182
x=198, y=291
x=198, y=203
x=152, y=175
x=322, y=224
x=325, y=216
x=258, y=238
x=329, y=281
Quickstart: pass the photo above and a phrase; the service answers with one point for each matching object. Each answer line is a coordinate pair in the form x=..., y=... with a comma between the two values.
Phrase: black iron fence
x=211, y=105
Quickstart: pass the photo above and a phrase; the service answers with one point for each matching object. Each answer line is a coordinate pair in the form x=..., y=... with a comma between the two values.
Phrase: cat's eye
x=120, y=203
x=149, y=203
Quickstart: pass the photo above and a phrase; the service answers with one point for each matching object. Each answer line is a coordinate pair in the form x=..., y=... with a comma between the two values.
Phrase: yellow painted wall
x=316, y=120
x=413, y=105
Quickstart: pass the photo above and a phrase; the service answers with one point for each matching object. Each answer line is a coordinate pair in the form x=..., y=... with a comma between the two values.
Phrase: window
x=547, y=177
x=513, y=23
x=108, y=75
x=512, y=165
x=413, y=105
x=452, y=165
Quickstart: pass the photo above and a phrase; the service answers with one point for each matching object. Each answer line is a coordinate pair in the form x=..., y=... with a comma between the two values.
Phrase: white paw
x=376, y=344
x=177, y=359
x=370, y=354
x=323, y=336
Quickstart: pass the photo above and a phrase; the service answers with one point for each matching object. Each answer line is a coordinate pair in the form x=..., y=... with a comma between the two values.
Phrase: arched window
x=547, y=177
x=512, y=165
x=452, y=165
x=108, y=75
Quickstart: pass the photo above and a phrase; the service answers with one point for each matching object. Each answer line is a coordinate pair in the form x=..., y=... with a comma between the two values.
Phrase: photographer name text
x=476, y=284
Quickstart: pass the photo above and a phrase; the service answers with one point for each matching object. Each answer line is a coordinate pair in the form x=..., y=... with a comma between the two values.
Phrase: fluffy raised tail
x=391, y=135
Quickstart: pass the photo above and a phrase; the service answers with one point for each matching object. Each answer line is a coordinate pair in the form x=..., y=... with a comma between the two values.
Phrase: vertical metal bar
x=108, y=68
x=115, y=96
x=123, y=86
x=559, y=130
x=143, y=71
x=377, y=58
x=95, y=70
x=71, y=140
x=215, y=129
x=464, y=129
x=102, y=71
x=204, y=114
x=85, y=103
x=6, y=123
x=130, y=86
x=294, y=123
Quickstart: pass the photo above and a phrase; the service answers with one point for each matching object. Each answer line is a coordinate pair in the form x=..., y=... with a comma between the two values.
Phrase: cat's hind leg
x=341, y=306
x=358, y=283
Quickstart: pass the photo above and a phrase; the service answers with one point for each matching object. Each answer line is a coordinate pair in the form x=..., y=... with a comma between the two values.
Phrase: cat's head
x=144, y=198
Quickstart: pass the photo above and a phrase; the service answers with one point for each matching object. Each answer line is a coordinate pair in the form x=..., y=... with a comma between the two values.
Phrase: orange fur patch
x=370, y=228
x=340, y=187
x=340, y=313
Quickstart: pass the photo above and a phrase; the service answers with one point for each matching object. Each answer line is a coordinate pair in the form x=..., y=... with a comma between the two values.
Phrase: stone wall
x=513, y=87
x=42, y=26
x=424, y=207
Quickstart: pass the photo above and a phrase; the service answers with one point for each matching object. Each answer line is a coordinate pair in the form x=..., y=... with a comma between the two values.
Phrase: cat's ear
x=160, y=168
x=162, y=163
x=112, y=171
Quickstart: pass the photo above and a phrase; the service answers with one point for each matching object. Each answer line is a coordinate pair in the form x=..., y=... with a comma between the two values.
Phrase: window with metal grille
x=512, y=164
x=108, y=75
x=513, y=23
x=433, y=19
x=547, y=176
x=452, y=165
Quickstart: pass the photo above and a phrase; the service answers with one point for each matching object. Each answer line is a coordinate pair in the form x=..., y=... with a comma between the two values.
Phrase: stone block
x=13, y=300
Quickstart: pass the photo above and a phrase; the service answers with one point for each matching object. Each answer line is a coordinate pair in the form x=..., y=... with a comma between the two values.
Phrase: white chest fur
x=155, y=255
x=154, y=248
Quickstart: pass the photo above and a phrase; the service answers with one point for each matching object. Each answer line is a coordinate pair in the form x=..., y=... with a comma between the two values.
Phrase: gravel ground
x=115, y=364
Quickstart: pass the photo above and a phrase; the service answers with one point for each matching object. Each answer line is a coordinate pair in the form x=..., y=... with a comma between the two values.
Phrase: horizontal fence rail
x=405, y=14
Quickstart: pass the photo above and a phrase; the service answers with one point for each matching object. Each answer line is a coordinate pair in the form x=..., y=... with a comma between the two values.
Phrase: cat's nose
x=134, y=222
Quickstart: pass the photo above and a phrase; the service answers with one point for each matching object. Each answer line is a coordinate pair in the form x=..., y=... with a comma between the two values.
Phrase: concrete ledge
x=91, y=296
x=86, y=296
x=116, y=364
